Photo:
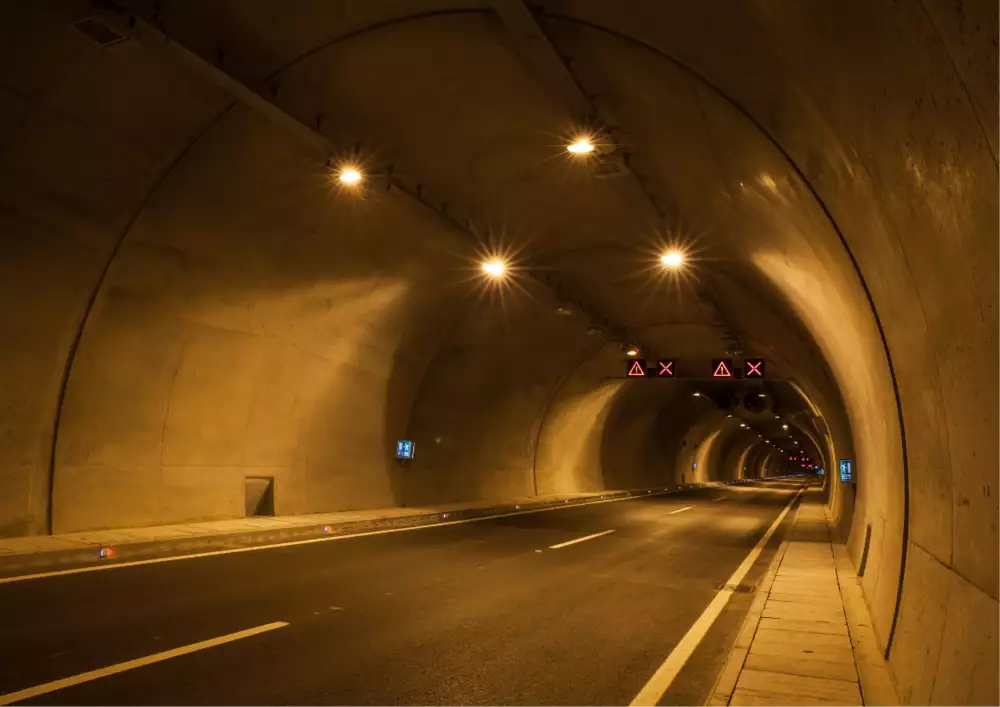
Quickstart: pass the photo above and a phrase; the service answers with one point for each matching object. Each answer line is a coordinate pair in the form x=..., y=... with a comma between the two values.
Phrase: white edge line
x=680, y=510
x=580, y=540
x=292, y=543
x=657, y=686
x=63, y=683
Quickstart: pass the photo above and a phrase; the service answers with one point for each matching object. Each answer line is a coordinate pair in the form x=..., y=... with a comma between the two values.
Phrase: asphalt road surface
x=498, y=611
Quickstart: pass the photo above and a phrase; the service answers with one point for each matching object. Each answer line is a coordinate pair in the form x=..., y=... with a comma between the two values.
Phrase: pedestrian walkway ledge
x=41, y=553
x=807, y=639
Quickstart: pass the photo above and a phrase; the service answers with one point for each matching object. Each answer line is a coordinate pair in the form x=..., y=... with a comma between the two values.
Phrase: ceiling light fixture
x=672, y=259
x=349, y=175
x=495, y=268
x=581, y=146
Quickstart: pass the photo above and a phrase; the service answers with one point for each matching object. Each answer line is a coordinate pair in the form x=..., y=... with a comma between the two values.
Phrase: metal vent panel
x=99, y=32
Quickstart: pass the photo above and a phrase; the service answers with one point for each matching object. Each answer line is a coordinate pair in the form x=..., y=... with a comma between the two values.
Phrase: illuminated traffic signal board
x=665, y=368
x=637, y=368
x=722, y=368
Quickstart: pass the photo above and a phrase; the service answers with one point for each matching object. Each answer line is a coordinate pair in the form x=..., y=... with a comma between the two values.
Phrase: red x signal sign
x=666, y=369
x=753, y=368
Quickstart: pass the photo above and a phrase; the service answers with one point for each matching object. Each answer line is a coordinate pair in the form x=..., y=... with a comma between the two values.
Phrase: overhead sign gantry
x=721, y=368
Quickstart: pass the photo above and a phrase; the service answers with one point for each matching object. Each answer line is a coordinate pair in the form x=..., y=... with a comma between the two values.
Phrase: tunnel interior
x=192, y=297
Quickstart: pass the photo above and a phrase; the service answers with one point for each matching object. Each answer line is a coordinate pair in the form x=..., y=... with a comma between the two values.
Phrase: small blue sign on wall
x=405, y=449
x=846, y=471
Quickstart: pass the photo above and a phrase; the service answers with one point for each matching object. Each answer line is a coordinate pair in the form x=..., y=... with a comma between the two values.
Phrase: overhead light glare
x=581, y=146
x=349, y=175
x=672, y=259
x=495, y=268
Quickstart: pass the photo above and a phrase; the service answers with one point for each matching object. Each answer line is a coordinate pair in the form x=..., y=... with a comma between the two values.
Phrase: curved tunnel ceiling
x=216, y=306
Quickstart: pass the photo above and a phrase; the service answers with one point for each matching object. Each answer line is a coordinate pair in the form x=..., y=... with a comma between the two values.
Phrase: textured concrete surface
x=185, y=301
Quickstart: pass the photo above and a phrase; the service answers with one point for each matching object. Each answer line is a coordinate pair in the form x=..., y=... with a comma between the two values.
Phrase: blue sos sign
x=846, y=471
x=405, y=449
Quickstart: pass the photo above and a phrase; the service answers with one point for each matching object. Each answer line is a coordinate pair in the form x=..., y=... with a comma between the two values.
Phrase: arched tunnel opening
x=595, y=299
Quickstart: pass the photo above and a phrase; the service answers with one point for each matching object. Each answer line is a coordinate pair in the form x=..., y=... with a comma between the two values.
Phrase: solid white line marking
x=45, y=688
x=580, y=540
x=665, y=674
x=680, y=510
x=292, y=543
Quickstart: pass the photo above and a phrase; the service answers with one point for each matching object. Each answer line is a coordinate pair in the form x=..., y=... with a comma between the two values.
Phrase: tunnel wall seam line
x=850, y=254
x=92, y=300
x=536, y=438
x=954, y=570
x=351, y=34
x=961, y=81
x=462, y=319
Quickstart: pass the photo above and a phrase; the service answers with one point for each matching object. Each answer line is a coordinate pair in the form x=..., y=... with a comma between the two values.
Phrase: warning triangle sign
x=636, y=370
x=722, y=371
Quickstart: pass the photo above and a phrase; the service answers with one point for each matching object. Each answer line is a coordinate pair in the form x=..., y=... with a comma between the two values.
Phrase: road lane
x=459, y=613
x=585, y=538
x=80, y=678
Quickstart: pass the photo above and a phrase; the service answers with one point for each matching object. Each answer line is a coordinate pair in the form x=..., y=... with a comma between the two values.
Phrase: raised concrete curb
x=877, y=686
x=26, y=555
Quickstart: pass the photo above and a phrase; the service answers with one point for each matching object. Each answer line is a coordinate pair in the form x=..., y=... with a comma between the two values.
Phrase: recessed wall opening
x=864, y=553
x=259, y=495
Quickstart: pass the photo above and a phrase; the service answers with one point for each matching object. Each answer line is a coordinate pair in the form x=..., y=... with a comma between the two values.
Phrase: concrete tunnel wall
x=205, y=360
x=879, y=161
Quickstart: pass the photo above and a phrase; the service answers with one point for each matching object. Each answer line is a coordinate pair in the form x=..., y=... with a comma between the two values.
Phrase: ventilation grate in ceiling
x=99, y=32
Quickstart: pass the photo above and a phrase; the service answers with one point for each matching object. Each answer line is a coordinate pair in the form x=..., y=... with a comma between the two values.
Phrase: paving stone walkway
x=800, y=645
